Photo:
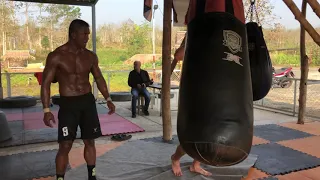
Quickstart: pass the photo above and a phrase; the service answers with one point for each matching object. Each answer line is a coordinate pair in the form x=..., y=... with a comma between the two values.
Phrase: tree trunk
x=304, y=69
x=315, y=6
x=40, y=45
x=303, y=21
x=51, y=36
x=166, y=72
x=27, y=25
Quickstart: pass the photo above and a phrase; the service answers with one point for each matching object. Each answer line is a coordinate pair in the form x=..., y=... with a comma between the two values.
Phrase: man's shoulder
x=132, y=71
x=91, y=53
x=144, y=71
x=61, y=49
x=55, y=54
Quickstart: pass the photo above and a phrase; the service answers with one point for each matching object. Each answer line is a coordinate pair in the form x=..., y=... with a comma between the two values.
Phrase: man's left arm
x=101, y=83
x=97, y=74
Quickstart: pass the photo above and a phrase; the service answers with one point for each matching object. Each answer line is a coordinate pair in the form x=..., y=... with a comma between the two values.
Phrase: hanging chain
x=251, y=9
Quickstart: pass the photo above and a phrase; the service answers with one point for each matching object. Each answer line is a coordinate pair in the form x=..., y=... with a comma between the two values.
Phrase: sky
x=109, y=11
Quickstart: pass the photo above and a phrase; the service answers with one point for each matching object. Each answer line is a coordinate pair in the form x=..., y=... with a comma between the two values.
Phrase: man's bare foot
x=195, y=167
x=176, y=167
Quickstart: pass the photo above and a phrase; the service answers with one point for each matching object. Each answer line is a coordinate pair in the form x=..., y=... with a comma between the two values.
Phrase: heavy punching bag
x=260, y=61
x=215, y=115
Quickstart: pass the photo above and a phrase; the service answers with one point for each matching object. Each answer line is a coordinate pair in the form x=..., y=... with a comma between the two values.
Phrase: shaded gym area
x=281, y=149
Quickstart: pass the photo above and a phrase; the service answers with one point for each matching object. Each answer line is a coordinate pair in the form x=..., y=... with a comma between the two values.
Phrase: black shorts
x=78, y=111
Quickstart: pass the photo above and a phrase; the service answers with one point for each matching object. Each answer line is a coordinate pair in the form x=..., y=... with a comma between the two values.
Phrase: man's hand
x=111, y=107
x=138, y=86
x=48, y=116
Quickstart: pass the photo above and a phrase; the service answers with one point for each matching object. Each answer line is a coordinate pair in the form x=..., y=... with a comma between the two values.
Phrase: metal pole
x=294, y=97
x=166, y=71
x=8, y=84
x=94, y=45
x=155, y=7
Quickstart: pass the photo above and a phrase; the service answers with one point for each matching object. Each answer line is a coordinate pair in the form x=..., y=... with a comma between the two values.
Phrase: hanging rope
x=251, y=9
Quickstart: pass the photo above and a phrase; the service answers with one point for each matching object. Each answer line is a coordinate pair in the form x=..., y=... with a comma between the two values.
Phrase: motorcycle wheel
x=285, y=83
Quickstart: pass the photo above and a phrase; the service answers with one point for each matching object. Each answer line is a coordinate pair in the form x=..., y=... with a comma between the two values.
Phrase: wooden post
x=303, y=21
x=315, y=6
x=166, y=71
x=304, y=66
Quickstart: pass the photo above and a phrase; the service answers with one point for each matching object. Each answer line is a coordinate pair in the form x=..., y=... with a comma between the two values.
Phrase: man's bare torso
x=73, y=71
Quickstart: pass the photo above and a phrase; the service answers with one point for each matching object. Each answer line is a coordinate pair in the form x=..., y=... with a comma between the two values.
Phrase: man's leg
x=135, y=96
x=176, y=161
x=90, y=157
x=62, y=158
x=67, y=129
x=195, y=167
x=146, y=96
x=90, y=130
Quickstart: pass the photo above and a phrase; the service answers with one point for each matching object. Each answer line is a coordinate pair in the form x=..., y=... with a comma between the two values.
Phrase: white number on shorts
x=65, y=131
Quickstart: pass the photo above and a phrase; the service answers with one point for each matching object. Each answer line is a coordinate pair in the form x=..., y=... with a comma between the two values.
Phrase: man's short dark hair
x=77, y=24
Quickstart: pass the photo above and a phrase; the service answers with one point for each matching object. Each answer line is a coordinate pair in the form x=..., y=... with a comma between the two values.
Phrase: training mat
x=16, y=128
x=28, y=165
x=275, y=133
x=137, y=160
x=275, y=159
x=22, y=137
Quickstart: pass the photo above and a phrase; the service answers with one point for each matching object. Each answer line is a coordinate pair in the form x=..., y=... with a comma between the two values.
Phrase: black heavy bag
x=215, y=115
x=260, y=62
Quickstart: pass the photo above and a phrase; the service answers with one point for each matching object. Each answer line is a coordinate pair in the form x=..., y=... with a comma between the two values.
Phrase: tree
x=304, y=68
x=45, y=43
x=264, y=11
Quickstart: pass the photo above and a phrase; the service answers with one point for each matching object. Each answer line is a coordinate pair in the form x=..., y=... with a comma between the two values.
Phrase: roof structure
x=69, y=2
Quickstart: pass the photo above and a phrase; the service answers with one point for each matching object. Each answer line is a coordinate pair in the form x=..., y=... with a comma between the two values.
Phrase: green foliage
x=285, y=59
x=45, y=43
x=138, y=39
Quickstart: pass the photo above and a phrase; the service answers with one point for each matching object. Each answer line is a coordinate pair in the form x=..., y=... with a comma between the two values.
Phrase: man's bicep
x=95, y=70
x=49, y=71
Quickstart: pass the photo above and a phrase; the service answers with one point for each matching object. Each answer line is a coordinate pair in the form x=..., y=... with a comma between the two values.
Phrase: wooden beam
x=315, y=6
x=166, y=71
x=303, y=21
x=304, y=68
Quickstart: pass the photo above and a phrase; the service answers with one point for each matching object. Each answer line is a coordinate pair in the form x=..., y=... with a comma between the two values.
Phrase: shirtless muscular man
x=70, y=65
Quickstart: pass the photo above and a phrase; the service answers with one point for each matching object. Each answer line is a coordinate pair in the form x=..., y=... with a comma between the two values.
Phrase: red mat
x=110, y=124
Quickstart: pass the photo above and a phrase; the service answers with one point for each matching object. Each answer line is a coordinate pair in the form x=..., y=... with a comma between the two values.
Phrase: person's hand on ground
x=48, y=116
x=111, y=107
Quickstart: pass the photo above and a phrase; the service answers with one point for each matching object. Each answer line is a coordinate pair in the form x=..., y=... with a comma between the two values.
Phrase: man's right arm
x=47, y=77
x=130, y=80
x=179, y=54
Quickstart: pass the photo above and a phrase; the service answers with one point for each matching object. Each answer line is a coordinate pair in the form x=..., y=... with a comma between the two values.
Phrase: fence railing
x=18, y=84
x=287, y=99
x=280, y=99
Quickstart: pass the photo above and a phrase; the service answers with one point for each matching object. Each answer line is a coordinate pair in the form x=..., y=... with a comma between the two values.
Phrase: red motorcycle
x=281, y=77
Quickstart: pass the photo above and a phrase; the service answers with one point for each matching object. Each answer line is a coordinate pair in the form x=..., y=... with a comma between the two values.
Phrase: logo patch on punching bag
x=233, y=41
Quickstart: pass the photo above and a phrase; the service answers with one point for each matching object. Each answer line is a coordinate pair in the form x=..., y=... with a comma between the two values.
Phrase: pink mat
x=14, y=116
x=110, y=124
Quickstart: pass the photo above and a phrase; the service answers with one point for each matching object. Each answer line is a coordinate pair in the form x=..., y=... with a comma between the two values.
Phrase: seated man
x=139, y=80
